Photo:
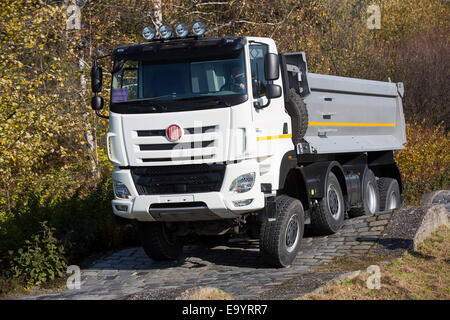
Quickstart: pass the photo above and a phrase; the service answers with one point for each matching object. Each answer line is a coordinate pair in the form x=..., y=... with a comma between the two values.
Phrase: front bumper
x=190, y=206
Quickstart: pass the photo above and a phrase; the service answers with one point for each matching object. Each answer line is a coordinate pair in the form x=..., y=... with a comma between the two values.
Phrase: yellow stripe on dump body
x=341, y=124
x=281, y=136
x=351, y=124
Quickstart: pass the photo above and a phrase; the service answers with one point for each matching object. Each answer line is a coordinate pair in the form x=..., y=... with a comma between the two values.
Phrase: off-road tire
x=369, y=178
x=388, y=188
x=273, y=236
x=299, y=127
x=158, y=242
x=326, y=218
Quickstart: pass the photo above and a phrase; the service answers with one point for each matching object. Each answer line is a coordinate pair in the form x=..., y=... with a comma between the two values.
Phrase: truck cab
x=210, y=136
x=185, y=129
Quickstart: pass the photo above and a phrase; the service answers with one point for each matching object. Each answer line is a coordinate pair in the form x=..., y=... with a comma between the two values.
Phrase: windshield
x=162, y=83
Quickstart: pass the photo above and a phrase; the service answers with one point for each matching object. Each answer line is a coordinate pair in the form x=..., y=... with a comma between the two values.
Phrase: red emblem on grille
x=174, y=132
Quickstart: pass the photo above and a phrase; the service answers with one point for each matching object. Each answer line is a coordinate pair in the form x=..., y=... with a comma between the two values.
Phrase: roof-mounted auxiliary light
x=198, y=28
x=148, y=33
x=165, y=31
x=182, y=29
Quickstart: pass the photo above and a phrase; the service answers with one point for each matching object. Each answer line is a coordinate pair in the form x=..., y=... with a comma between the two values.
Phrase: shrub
x=83, y=222
x=41, y=259
x=425, y=161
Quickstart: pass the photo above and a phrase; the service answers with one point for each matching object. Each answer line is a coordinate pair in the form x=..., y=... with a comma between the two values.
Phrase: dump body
x=354, y=115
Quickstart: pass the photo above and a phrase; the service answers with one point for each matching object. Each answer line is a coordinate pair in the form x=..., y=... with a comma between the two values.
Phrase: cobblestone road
x=235, y=268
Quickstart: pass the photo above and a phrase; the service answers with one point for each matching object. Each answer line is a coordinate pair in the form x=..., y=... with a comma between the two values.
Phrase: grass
x=205, y=293
x=420, y=275
x=13, y=288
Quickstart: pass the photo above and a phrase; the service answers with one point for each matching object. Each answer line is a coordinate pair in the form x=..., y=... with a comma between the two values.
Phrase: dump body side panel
x=353, y=115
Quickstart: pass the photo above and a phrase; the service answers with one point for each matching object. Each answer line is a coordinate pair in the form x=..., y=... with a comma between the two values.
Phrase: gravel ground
x=158, y=294
x=399, y=233
x=299, y=286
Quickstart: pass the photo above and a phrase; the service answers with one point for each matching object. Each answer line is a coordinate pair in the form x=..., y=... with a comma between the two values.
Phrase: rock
x=434, y=217
x=441, y=197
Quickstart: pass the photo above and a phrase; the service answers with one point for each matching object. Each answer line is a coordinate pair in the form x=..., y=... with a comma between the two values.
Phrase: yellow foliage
x=425, y=161
x=44, y=109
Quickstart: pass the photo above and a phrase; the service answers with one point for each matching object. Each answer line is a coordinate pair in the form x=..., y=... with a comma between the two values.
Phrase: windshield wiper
x=151, y=105
x=206, y=99
x=158, y=97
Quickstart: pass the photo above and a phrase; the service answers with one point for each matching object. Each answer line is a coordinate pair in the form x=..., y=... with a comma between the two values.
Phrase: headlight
x=120, y=190
x=149, y=33
x=165, y=31
x=243, y=183
x=198, y=28
x=182, y=30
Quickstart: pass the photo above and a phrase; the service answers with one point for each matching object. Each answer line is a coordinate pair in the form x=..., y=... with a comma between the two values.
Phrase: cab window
x=257, y=53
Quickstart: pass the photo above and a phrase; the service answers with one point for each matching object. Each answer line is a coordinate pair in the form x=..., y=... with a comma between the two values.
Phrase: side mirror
x=96, y=78
x=97, y=103
x=271, y=66
x=273, y=91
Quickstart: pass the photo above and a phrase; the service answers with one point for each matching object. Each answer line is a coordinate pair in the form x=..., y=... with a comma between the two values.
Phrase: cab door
x=272, y=123
x=294, y=72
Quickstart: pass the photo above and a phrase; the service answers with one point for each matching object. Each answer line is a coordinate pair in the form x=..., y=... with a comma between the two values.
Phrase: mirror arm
x=100, y=57
x=97, y=112
x=258, y=107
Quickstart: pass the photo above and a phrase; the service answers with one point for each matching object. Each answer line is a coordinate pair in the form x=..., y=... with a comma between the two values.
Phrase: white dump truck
x=212, y=136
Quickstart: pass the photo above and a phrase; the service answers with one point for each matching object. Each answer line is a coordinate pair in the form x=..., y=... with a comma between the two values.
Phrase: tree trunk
x=157, y=12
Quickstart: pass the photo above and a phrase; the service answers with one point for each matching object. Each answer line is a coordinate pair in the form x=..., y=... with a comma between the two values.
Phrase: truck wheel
x=371, y=197
x=280, y=239
x=158, y=242
x=389, y=194
x=299, y=114
x=328, y=216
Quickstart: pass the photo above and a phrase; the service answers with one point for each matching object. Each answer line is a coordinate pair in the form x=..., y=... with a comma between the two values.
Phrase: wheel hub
x=292, y=233
x=371, y=198
x=334, y=204
x=392, y=201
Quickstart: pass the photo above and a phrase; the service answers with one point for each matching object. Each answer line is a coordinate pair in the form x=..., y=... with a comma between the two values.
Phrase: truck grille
x=162, y=132
x=178, y=179
x=197, y=143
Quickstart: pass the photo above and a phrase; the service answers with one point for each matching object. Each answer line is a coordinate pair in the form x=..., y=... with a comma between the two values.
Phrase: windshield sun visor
x=170, y=51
